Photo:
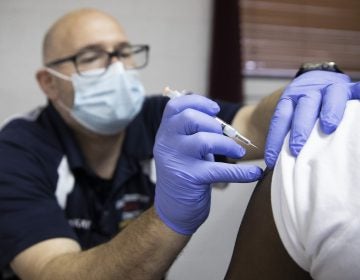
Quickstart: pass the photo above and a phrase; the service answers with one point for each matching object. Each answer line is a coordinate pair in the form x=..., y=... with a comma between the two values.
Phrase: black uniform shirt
x=48, y=191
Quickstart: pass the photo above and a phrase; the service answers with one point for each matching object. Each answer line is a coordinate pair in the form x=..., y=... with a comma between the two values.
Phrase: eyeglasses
x=132, y=56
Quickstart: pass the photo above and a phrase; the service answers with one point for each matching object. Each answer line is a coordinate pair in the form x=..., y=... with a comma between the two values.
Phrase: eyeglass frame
x=115, y=53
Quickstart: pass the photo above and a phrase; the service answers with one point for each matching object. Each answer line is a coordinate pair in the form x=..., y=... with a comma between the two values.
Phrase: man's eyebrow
x=101, y=47
x=90, y=47
x=123, y=44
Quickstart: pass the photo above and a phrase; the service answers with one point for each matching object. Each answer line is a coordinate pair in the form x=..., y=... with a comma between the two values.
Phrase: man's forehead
x=83, y=28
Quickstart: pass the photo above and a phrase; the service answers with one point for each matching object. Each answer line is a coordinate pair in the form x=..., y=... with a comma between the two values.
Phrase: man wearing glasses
x=74, y=174
x=79, y=173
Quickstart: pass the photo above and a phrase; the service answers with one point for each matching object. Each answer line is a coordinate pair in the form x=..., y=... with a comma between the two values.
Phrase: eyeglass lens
x=132, y=57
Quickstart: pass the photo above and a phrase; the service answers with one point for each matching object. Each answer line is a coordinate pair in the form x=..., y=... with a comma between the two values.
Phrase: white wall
x=177, y=31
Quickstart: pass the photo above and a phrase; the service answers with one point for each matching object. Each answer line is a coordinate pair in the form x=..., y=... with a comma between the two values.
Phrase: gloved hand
x=185, y=142
x=313, y=94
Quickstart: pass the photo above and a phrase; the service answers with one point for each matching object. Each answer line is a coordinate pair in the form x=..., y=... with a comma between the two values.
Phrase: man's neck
x=101, y=152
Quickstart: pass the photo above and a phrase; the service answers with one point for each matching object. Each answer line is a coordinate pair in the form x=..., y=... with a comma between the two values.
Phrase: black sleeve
x=153, y=110
x=228, y=110
x=29, y=212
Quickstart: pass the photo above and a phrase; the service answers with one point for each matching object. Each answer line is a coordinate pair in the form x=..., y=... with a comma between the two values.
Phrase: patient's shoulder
x=316, y=200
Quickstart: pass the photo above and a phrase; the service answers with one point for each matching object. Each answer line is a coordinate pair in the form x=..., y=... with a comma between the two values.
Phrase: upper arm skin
x=253, y=122
x=30, y=263
x=259, y=252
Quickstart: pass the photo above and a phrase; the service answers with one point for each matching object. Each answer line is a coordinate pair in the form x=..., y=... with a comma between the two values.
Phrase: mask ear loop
x=57, y=74
x=64, y=77
x=62, y=104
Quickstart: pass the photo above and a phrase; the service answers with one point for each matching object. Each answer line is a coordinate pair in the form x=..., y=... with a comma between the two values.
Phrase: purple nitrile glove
x=313, y=95
x=185, y=142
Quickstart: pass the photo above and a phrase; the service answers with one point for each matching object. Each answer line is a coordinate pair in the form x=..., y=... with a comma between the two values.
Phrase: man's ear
x=47, y=83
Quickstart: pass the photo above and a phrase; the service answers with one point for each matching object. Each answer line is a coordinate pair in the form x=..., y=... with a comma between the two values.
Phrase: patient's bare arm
x=259, y=253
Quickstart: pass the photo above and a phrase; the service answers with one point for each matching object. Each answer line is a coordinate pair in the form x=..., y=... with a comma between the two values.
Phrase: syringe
x=227, y=129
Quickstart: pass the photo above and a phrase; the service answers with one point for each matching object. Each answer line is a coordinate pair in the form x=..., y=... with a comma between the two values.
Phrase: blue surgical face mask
x=106, y=104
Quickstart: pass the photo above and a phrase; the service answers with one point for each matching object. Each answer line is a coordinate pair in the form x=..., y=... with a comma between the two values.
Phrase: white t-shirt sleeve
x=316, y=200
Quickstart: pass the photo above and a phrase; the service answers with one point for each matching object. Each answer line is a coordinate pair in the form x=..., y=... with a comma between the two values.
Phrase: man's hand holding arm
x=312, y=95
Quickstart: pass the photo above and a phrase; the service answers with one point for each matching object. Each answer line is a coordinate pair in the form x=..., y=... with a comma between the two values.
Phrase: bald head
x=78, y=29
